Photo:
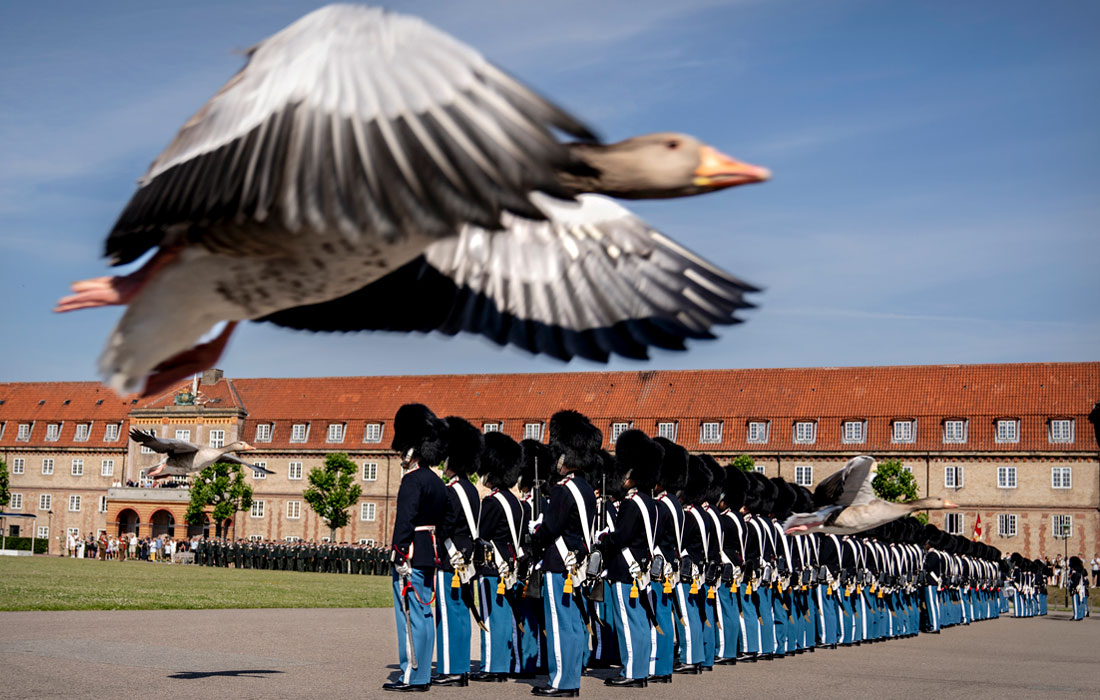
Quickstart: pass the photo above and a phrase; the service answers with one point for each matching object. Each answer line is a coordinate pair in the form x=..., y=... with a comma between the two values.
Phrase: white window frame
x=954, y=431
x=1054, y=525
x=43, y=532
x=906, y=467
x=1007, y=524
x=1061, y=430
x=532, y=431
x=367, y=437
x=855, y=432
x=74, y=531
x=1061, y=477
x=102, y=508
x=53, y=432
x=370, y=471
x=804, y=432
x=24, y=432
x=257, y=510
x=758, y=431
x=16, y=502
x=47, y=466
x=368, y=512
x=263, y=432
x=804, y=475
x=256, y=474
x=617, y=429
x=18, y=465
x=368, y=541
x=901, y=426
x=490, y=427
x=335, y=433
x=183, y=434
x=216, y=438
x=292, y=538
x=45, y=501
x=145, y=450
x=953, y=477
x=107, y=467
x=299, y=432
x=293, y=510
x=1006, y=477
x=292, y=468
x=948, y=517
x=77, y=468
x=111, y=432
x=1007, y=430
x=710, y=432
x=759, y=469
x=74, y=500
x=667, y=430
x=83, y=432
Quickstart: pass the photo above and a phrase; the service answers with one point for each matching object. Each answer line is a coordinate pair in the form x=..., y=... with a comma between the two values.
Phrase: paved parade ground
x=348, y=653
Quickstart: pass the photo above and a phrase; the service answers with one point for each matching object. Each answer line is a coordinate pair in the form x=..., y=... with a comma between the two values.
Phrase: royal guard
x=731, y=501
x=667, y=591
x=696, y=627
x=535, y=476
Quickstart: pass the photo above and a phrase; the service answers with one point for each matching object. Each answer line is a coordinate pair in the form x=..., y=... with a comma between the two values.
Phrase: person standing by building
x=1096, y=571
x=1078, y=583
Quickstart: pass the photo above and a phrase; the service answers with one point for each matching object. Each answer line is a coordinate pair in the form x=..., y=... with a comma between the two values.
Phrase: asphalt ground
x=348, y=653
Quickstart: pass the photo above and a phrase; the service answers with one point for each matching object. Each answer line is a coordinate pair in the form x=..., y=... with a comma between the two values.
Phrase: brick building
x=1011, y=443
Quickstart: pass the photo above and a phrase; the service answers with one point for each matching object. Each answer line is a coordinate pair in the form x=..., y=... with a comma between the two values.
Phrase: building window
x=47, y=466
x=299, y=432
x=853, y=431
x=335, y=432
x=53, y=432
x=367, y=511
x=903, y=431
x=804, y=476
x=1008, y=430
x=111, y=432
x=1061, y=477
x=758, y=431
x=107, y=467
x=18, y=465
x=293, y=510
x=953, y=477
x=43, y=532
x=45, y=501
x=618, y=429
x=24, y=434
x=373, y=433
x=667, y=430
x=532, y=431
x=83, y=430
x=1006, y=477
x=292, y=538
x=711, y=432
x=217, y=438
x=907, y=468
x=490, y=427
x=804, y=431
x=184, y=435
x=1061, y=430
x=73, y=532
x=78, y=467
x=295, y=471
x=257, y=509
x=16, y=501
x=953, y=523
x=1062, y=526
x=74, y=504
x=263, y=432
x=367, y=541
x=758, y=468
x=370, y=471
x=256, y=473
x=145, y=450
x=954, y=431
x=102, y=504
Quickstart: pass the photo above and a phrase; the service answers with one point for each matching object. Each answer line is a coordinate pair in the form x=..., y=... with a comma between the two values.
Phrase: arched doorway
x=128, y=522
x=164, y=523
x=201, y=530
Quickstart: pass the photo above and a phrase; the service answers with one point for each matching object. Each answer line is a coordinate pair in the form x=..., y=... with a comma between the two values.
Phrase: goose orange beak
x=949, y=504
x=716, y=170
x=248, y=447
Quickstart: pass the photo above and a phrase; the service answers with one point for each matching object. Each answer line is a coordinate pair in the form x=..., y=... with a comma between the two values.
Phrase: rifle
x=533, y=582
x=595, y=558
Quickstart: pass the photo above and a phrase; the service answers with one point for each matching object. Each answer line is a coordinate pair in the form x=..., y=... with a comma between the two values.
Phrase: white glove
x=404, y=568
x=457, y=562
x=600, y=534
x=635, y=569
x=668, y=570
x=570, y=560
x=502, y=568
x=534, y=524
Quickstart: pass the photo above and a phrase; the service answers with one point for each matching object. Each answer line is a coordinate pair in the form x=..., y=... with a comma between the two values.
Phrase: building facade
x=1013, y=444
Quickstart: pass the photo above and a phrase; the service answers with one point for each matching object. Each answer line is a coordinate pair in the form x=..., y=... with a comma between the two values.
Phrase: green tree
x=743, y=462
x=332, y=491
x=5, y=495
x=223, y=486
x=894, y=483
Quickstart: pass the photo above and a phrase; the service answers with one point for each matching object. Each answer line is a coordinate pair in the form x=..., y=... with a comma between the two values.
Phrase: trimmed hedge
x=24, y=543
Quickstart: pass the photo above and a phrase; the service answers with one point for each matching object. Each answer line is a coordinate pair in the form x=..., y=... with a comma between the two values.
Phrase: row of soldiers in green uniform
x=275, y=555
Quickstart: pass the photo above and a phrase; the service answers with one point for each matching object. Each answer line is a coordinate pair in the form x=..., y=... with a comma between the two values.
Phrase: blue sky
x=936, y=196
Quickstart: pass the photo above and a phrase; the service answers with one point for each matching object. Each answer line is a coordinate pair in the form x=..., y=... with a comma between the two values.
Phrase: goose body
x=846, y=503
x=363, y=156
x=183, y=457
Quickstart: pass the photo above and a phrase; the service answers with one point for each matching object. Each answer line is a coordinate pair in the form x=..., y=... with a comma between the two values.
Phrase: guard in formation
x=654, y=561
x=296, y=555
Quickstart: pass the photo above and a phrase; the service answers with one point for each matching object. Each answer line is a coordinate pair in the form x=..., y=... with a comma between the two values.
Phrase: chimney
x=211, y=376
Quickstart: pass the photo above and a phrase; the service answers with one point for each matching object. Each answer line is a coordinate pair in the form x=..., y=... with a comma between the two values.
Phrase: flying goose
x=366, y=171
x=186, y=457
x=846, y=503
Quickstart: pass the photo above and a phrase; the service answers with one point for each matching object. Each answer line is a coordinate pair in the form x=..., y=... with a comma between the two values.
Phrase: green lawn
x=54, y=583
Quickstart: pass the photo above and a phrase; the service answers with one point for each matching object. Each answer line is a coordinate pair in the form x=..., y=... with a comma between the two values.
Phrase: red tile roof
x=67, y=403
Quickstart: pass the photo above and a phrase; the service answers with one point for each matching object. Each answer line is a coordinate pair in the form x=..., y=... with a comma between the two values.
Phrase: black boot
x=626, y=682
x=660, y=679
x=548, y=691
x=459, y=680
x=406, y=688
x=487, y=677
x=693, y=669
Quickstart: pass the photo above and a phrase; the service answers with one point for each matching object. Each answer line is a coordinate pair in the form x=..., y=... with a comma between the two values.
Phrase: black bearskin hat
x=717, y=479
x=672, y=473
x=500, y=461
x=1075, y=564
x=784, y=499
x=536, y=452
x=804, y=500
x=762, y=495
x=737, y=483
x=573, y=437
x=610, y=468
x=416, y=428
x=698, y=482
x=464, y=446
x=639, y=457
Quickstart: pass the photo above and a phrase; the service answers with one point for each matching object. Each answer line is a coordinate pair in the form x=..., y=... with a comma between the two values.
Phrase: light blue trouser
x=1042, y=603
x=636, y=636
x=532, y=644
x=781, y=617
x=828, y=616
x=730, y=612
x=420, y=615
x=710, y=627
x=604, y=641
x=690, y=634
x=1080, y=606
x=500, y=638
x=764, y=606
x=750, y=620
x=665, y=613
x=846, y=619
x=565, y=634
x=811, y=625
x=452, y=627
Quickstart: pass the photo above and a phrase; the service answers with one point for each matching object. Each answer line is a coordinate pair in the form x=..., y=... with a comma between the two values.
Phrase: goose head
x=657, y=166
x=238, y=446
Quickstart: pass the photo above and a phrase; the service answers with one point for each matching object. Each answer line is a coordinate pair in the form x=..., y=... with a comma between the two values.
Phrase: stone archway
x=202, y=530
x=128, y=521
x=164, y=523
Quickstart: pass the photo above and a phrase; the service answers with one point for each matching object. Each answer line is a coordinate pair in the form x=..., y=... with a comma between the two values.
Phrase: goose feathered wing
x=163, y=445
x=234, y=459
x=851, y=486
x=590, y=281
x=353, y=119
